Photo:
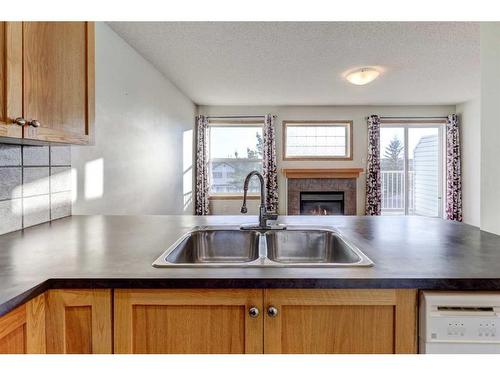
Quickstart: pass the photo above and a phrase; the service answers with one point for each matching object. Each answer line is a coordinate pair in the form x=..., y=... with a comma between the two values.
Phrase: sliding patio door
x=412, y=164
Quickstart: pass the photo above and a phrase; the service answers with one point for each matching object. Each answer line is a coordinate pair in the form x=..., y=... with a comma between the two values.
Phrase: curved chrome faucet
x=264, y=215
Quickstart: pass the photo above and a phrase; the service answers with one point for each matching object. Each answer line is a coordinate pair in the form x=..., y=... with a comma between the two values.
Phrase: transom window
x=235, y=149
x=317, y=140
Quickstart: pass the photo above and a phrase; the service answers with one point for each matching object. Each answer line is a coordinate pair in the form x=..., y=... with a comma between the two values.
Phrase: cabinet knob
x=20, y=121
x=253, y=312
x=272, y=311
x=34, y=123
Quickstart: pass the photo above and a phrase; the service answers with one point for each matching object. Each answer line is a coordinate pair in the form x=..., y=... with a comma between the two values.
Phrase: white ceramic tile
x=10, y=183
x=35, y=155
x=60, y=155
x=60, y=205
x=35, y=181
x=36, y=210
x=11, y=215
x=10, y=155
x=60, y=179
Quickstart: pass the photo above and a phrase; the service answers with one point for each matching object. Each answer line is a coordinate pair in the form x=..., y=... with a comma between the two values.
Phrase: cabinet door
x=13, y=332
x=340, y=321
x=58, y=87
x=188, y=321
x=79, y=321
x=23, y=330
x=11, y=78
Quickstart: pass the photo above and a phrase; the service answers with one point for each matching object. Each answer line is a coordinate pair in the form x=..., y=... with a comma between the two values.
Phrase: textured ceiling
x=303, y=63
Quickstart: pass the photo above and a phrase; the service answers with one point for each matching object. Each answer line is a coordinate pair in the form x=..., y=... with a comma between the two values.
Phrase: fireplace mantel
x=322, y=172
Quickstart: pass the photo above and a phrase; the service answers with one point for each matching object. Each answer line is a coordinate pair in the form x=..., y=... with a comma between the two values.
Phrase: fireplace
x=322, y=203
x=342, y=199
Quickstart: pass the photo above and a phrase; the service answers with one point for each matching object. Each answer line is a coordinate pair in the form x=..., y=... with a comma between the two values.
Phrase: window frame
x=442, y=182
x=349, y=144
x=230, y=124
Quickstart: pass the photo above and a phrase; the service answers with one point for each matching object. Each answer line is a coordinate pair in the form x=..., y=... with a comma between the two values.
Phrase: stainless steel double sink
x=230, y=246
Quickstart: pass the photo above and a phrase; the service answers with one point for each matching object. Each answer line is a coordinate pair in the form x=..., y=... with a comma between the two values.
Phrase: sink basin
x=229, y=246
x=216, y=246
x=309, y=246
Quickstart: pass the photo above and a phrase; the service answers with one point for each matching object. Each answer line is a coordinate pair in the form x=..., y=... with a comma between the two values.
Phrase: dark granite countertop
x=117, y=252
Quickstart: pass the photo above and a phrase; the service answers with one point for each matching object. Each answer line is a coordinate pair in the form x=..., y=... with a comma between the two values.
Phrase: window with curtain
x=235, y=149
x=412, y=168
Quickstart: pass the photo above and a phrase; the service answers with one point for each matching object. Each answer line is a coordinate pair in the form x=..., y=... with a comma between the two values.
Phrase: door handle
x=34, y=123
x=272, y=311
x=19, y=121
x=253, y=312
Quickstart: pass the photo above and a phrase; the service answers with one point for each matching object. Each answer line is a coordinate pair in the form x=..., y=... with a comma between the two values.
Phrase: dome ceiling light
x=362, y=76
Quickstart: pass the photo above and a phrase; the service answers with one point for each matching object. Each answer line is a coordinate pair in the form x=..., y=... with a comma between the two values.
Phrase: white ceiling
x=303, y=63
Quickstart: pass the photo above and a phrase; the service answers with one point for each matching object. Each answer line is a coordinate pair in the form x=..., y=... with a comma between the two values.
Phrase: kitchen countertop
x=117, y=252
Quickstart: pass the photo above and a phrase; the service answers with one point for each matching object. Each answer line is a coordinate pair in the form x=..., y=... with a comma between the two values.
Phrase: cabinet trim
x=406, y=321
x=11, y=65
x=35, y=325
x=90, y=83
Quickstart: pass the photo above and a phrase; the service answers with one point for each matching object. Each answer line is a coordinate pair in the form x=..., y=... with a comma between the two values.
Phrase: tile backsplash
x=35, y=185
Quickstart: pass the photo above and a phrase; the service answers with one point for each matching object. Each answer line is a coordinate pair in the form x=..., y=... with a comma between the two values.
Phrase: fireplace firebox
x=322, y=203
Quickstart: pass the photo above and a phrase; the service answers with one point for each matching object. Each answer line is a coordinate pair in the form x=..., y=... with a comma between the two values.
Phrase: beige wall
x=490, y=127
x=136, y=165
x=470, y=125
x=357, y=114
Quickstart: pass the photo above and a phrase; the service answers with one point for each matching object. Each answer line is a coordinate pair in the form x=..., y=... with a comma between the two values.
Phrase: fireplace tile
x=298, y=185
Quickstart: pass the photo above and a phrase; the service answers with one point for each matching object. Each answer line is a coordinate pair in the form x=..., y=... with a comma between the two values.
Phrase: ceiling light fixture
x=362, y=76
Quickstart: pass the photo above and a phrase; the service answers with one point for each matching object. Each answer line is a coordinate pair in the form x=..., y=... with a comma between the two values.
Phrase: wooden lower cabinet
x=79, y=321
x=13, y=332
x=340, y=321
x=222, y=321
x=22, y=331
x=188, y=321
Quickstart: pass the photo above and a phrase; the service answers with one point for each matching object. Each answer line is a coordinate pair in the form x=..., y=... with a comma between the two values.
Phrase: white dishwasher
x=459, y=322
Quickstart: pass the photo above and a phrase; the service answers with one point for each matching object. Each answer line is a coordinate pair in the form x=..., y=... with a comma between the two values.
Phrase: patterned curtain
x=453, y=170
x=201, y=195
x=269, y=167
x=373, y=183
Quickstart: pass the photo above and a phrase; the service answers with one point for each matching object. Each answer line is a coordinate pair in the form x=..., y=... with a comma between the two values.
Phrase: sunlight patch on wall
x=74, y=185
x=187, y=168
x=94, y=179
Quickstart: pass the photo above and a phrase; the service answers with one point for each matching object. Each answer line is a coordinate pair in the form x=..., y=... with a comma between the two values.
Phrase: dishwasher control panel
x=459, y=322
x=463, y=328
x=460, y=317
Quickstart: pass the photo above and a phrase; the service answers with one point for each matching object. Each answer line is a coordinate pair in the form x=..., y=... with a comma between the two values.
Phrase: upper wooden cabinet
x=48, y=70
x=11, y=78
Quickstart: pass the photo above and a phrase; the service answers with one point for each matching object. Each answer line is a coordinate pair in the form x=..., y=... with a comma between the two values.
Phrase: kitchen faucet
x=264, y=215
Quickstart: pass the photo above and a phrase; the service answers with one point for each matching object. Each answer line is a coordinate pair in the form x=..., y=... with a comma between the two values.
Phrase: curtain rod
x=413, y=117
x=253, y=116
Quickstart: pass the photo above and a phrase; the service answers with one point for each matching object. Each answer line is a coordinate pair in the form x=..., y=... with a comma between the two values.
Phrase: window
x=235, y=150
x=411, y=163
x=317, y=140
